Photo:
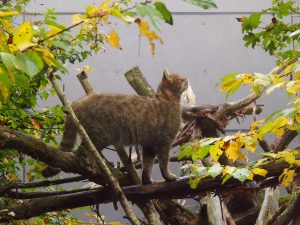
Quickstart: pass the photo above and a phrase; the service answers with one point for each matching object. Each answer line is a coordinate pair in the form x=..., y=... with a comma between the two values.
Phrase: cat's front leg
x=163, y=160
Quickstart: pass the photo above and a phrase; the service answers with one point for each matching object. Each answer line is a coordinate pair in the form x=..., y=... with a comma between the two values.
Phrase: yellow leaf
x=77, y=18
x=46, y=55
x=287, y=156
x=23, y=35
x=12, y=177
x=228, y=170
x=35, y=124
x=247, y=78
x=297, y=74
x=286, y=177
x=242, y=156
x=7, y=25
x=256, y=124
x=92, y=11
x=250, y=176
x=279, y=132
x=11, y=13
x=215, y=152
x=233, y=151
x=281, y=121
x=290, y=127
x=104, y=5
x=276, y=79
x=53, y=30
x=13, y=48
x=259, y=171
x=113, y=39
x=230, y=85
x=146, y=32
x=297, y=117
x=293, y=86
x=4, y=91
x=297, y=162
x=288, y=70
x=87, y=69
x=251, y=148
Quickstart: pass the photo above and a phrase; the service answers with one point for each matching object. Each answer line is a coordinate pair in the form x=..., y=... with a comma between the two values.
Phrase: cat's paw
x=146, y=179
x=171, y=177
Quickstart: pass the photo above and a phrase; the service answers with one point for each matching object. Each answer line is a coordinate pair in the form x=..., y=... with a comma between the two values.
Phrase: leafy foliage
x=31, y=50
x=274, y=38
x=273, y=34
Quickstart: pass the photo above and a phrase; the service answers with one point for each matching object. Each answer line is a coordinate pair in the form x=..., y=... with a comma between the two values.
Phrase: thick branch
x=138, y=82
x=10, y=139
x=282, y=142
x=289, y=213
x=178, y=189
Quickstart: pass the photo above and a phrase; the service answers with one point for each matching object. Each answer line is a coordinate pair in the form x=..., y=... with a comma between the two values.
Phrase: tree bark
x=162, y=190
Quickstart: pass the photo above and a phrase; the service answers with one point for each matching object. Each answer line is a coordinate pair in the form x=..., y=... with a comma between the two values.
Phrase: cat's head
x=174, y=82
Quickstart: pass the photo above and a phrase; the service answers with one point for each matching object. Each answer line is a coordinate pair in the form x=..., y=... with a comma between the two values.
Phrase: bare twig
x=42, y=194
x=7, y=187
x=112, y=181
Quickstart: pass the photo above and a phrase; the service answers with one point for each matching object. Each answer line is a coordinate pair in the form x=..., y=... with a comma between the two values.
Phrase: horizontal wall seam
x=179, y=13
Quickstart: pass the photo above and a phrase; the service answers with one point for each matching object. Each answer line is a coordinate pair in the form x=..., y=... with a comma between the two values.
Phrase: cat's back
x=120, y=109
x=113, y=103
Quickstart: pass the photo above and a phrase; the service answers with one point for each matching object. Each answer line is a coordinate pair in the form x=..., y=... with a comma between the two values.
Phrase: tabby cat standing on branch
x=119, y=119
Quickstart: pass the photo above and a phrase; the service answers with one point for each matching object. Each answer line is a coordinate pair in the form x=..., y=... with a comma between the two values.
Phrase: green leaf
x=9, y=63
x=54, y=24
x=186, y=151
x=252, y=22
x=194, y=182
x=228, y=176
x=215, y=170
x=205, y=4
x=241, y=174
x=167, y=16
x=227, y=78
x=154, y=15
x=201, y=153
x=29, y=62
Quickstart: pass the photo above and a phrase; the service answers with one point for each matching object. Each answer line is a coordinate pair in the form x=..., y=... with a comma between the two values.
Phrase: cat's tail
x=67, y=144
x=69, y=136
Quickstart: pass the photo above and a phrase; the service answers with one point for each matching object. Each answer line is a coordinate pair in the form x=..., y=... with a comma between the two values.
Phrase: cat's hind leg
x=148, y=161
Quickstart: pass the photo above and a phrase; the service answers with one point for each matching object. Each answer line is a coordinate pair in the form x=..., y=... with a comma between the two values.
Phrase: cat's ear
x=166, y=75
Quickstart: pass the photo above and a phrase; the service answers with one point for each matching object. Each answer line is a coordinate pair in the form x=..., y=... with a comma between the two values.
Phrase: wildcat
x=119, y=119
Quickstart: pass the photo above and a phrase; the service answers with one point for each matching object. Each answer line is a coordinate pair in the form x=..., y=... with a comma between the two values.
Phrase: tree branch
x=289, y=213
x=281, y=143
x=167, y=190
x=7, y=187
x=10, y=139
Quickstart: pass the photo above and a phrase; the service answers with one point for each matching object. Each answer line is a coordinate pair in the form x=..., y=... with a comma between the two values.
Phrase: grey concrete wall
x=203, y=45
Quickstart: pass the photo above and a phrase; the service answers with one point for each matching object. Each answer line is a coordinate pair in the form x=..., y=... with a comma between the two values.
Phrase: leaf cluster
x=274, y=34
